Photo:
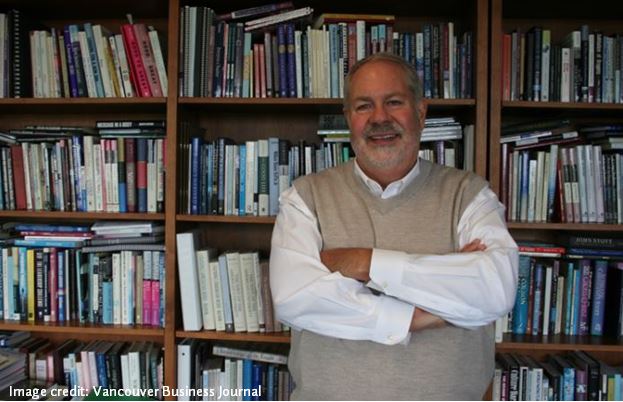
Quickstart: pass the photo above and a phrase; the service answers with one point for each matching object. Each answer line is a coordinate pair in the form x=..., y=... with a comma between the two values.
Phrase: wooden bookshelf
x=81, y=216
x=560, y=17
x=238, y=337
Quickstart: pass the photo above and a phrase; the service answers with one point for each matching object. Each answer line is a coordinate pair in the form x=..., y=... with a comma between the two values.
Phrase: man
x=380, y=265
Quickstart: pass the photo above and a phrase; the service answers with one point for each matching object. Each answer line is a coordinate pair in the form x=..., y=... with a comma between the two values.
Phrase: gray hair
x=413, y=81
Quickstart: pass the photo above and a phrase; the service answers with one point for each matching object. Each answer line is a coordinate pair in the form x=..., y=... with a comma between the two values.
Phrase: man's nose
x=379, y=114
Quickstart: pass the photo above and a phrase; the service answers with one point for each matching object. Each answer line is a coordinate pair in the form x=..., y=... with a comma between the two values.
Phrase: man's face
x=385, y=122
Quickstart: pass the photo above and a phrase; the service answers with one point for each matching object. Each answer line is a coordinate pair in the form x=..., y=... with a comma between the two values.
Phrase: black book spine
x=538, y=48
x=598, y=65
x=39, y=285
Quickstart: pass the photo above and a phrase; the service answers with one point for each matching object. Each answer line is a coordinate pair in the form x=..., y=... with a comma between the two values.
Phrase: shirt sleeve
x=465, y=289
x=306, y=295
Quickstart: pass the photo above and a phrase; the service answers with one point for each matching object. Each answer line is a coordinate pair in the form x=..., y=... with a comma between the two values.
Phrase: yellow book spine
x=30, y=273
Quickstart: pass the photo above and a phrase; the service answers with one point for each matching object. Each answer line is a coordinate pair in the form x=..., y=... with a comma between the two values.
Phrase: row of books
x=227, y=292
x=560, y=172
x=99, y=367
x=86, y=60
x=221, y=59
x=84, y=173
x=585, y=67
x=572, y=296
x=232, y=372
x=246, y=179
x=113, y=275
x=224, y=178
x=574, y=376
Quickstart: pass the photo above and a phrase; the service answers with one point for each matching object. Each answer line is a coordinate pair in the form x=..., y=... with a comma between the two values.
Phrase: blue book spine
x=195, y=152
x=428, y=71
x=48, y=243
x=122, y=185
x=305, y=58
x=203, y=176
x=281, y=60
x=36, y=227
x=585, y=296
x=273, y=176
x=141, y=158
x=333, y=60
x=161, y=266
x=97, y=75
x=538, y=298
x=568, y=318
x=256, y=379
x=71, y=68
x=221, y=176
x=107, y=315
x=291, y=61
x=247, y=380
x=227, y=311
x=82, y=287
x=618, y=387
x=520, y=311
x=568, y=384
x=23, y=285
x=270, y=383
x=210, y=178
x=577, y=291
x=242, y=149
x=93, y=285
x=60, y=287
x=599, y=297
x=77, y=57
x=100, y=359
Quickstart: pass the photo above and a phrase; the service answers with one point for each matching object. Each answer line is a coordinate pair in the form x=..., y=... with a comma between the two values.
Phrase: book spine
x=147, y=57
x=137, y=67
x=130, y=174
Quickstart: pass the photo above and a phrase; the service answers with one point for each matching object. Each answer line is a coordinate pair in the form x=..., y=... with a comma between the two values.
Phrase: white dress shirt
x=465, y=289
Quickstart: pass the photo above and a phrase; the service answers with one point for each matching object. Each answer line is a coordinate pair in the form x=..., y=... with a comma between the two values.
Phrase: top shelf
x=72, y=9
x=561, y=105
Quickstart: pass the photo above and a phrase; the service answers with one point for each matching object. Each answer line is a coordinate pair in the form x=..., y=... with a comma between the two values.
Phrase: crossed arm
x=355, y=263
x=323, y=291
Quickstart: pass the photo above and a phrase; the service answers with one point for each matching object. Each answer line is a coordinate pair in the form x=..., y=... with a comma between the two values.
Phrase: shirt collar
x=394, y=188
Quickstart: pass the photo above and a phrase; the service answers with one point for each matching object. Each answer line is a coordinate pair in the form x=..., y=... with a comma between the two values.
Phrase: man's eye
x=395, y=102
x=362, y=107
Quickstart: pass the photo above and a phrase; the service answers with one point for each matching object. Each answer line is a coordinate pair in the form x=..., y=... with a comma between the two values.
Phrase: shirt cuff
x=386, y=269
x=394, y=321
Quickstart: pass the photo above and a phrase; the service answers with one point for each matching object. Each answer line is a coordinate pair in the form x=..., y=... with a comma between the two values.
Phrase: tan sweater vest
x=444, y=363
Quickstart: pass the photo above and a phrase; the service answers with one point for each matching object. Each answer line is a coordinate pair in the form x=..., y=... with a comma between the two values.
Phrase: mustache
x=382, y=128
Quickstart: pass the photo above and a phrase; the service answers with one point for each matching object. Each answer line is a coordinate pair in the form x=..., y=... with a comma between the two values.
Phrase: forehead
x=378, y=77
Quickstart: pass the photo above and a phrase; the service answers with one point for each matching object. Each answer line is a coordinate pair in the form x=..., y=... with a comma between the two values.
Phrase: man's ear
x=421, y=109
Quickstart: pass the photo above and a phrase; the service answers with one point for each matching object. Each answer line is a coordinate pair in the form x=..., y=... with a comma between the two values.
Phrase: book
x=261, y=353
x=187, y=244
x=255, y=11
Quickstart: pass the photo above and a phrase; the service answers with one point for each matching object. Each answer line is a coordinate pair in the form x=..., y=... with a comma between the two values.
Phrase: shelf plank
x=264, y=220
x=85, y=105
x=312, y=105
x=78, y=216
x=559, y=343
x=594, y=227
x=80, y=329
x=277, y=337
x=561, y=105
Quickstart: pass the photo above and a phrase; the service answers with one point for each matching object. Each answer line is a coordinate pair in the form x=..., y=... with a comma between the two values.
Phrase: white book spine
x=251, y=178
x=216, y=294
x=540, y=165
x=86, y=64
x=98, y=171
x=123, y=66
x=204, y=290
x=101, y=58
x=112, y=43
x=590, y=178
x=565, y=76
x=599, y=183
x=160, y=66
x=249, y=291
x=361, y=39
x=545, y=57
x=116, y=288
x=236, y=292
x=189, y=282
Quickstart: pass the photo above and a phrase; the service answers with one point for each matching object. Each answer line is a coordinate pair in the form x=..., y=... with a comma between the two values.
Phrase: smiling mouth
x=383, y=137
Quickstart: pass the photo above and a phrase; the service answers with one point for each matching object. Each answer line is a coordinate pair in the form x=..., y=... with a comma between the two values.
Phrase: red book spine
x=155, y=299
x=19, y=182
x=149, y=61
x=137, y=68
x=147, y=289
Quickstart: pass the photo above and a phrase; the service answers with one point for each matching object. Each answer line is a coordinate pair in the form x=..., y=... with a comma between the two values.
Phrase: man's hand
x=474, y=245
x=350, y=262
